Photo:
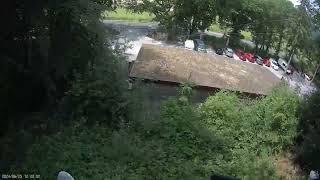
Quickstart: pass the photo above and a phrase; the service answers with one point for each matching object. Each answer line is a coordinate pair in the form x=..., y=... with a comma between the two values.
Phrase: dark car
x=259, y=60
x=199, y=46
x=219, y=51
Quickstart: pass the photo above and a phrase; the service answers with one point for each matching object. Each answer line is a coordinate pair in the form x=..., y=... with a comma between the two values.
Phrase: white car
x=306, y=77
x=284, y=65
x=189, y=44
x=274, y=64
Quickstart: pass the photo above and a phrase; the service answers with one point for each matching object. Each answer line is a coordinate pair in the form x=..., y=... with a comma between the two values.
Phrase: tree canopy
x=275, y=25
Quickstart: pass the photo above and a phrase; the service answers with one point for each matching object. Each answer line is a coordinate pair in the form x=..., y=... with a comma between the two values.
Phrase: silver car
x=229, y=52
x=274, y=64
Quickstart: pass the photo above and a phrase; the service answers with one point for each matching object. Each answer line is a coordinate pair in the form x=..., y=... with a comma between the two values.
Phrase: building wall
x=154, y=93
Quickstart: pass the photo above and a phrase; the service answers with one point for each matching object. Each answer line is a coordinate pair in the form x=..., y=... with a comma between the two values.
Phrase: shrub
x=220, y=114
x=276, y=122
x=100, y=96
x=269, y=124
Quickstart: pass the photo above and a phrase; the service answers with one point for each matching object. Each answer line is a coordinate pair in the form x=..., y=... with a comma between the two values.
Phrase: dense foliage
x=49, y=48
x=225, y=136
x=43, y=45
x=308, y=146
x=183, y=16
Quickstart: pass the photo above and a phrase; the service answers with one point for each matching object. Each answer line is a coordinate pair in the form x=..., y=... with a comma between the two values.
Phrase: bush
x=276, y=119
x=220, y=114
x=267, y=125
x=223, y=136
x=100, y=95
x=176, y=147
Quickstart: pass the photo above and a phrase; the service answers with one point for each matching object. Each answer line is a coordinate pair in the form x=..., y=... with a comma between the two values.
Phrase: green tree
x=311, y=48
x=42, y=46
x=269, y=29
x=236, y=15
x=182, y=16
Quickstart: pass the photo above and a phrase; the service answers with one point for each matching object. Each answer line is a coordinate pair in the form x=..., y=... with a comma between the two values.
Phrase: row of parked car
x=269, y=62
x=199, y=45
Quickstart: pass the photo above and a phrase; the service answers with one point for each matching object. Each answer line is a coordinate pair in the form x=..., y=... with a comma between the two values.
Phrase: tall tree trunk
x=269, y=42
x=291, y=57
x=279, y=43
x=267, y=49
x=256, y=42
x=193, y=26
x=315, y=73
x=263, y=42
x=291, y=52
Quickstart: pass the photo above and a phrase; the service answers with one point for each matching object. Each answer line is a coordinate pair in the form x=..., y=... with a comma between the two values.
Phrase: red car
x=250, y=57
x=266, y=62
x=241, y=55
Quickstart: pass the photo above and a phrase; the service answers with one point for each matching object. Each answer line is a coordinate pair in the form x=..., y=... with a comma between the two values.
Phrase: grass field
x=216, y=28
x=247, y=35
x=126, y=15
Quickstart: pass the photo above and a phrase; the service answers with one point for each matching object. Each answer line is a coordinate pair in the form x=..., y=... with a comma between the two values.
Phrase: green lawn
x=126, y=15
x=247, y=35
x=216, y=28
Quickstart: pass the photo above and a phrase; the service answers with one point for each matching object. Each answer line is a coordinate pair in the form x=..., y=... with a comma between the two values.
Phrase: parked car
x=229, y=52
x=284, y=65
x=249, y=57
x=266, y=62
x=274, y=64
x=189, y=44
x=306, y=77
x=219, y=51
x=259, y=60
x=241, y=55
x=199, y=46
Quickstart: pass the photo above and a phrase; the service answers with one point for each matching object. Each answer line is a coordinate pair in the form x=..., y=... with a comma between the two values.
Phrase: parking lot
x=136, y=35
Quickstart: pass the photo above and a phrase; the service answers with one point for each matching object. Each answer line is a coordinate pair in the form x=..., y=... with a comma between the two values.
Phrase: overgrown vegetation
x=225, y=136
